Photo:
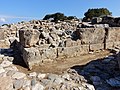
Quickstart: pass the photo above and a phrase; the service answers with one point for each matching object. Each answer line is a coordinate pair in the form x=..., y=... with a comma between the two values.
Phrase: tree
x=58, y=16
x=71, y=17
x=47, y=17
x=96, y=13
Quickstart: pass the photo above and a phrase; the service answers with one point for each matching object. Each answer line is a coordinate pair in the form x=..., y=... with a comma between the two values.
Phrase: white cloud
x=18, y=17
x=13, y=19
x=2, y=19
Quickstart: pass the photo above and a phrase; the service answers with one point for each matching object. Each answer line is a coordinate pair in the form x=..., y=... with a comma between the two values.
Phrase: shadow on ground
x=18, y=60
x=101, y=73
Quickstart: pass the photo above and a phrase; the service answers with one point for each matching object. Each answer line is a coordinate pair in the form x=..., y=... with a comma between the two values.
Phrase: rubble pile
x=40, y=41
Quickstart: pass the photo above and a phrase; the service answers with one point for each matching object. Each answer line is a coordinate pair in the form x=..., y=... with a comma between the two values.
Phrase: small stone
x=82, y=78
x=12, y=68
x=33, y=82
x=46, y=82
x=1, y=56
x=3, y=74
x=10, y=59
x=18, y=75
x=52, y=77
x=26, y=83
x=17, y=84
x=82, y=88
x=91, y=52
x=63, y=87
x=66, y=77
x=43, y=34
x=26, y=88
x=38, y=86
x=33, y=74
x=58, y=80
x=75, y=88
x=41, y=76
x=11, y=39
x=6, y=63
x=10, y=72
x=88, y=86
x=5, y=58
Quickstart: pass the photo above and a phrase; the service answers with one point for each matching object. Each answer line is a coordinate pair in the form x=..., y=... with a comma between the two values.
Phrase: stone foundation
x=89, y=39
x=48, y=41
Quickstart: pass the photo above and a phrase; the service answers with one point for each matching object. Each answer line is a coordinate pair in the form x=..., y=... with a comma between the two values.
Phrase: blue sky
x=19, y=10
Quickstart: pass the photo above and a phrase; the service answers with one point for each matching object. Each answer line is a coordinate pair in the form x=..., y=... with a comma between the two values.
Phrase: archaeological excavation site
x=64, y=55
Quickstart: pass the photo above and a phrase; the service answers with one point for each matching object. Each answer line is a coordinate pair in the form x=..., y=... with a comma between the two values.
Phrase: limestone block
x=113, y=34
x=70, y=43
x=29, y=38
x=2, y=36
x=2, y=43
x=95, y=47
x=35, y=56
x=91, y=35
x=49, y=54
x=66, y=52
x=31, y=56
x=84, y=49
x=74, y=51
x=109, y=45
x=116, y=44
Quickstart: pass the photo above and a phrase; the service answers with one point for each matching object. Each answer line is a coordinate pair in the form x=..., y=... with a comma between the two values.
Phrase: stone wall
x=100, y=38
x=113, y=37
x=43, y=41
x=7, y=36
x=88, y=39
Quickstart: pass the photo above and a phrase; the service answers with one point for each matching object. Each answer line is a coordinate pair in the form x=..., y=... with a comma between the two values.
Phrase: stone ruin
x=39, y=41
x=42, y=41
x=38, y=48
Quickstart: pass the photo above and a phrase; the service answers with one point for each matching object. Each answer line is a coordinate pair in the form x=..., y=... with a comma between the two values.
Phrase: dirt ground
x=60, y=66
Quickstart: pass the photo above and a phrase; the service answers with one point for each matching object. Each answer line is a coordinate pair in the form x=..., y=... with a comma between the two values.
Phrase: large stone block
x=2, y=43
x=48, y=54
x=116, y=44
x=91, y=35
x=67, y=52
x=95, y=47
x=35, y=56
x=70, y=43
x=2, y=34
x=109, y=45
x=29, y=38
x=31, y=56
x=84, y=49
x=113, y=34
